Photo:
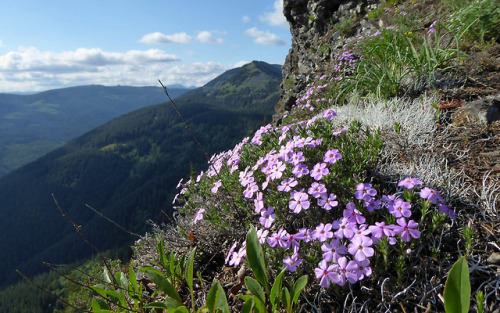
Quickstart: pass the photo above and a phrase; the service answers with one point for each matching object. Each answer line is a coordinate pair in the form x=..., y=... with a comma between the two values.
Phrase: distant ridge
x=33, y=124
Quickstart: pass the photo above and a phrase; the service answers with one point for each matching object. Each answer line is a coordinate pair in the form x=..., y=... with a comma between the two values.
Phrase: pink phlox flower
x=267, y=217
x=362, y=231
x=258, y=204
x=317, y=190
x=328, y=203
x=264, y=184
x=364, y=192
x=380, y=230
x=407, y=229
x=409, y=183
x=293, y=243
x=316, y=143
x=360, y=248
x=344, y=272
x=447, y=210
x=299, y=170
x=353, y=215
x=298, y=142
x=345, y=229
x=362, y=269
x=401, y=208
x=323, y=232
x=179, y=184
x=292, y=262
x=372, y=204
x=199, y=216
x=332, y=156
x=282, y=239
x=329, y=114
x=277, y=170
x=216, y=186
x=333, y=250
x=430, y=194
x=246, y=178
x=340, y=131
x=183, y=191
x=319, y=170
x=200, y=176
x=325, y=273
x=299, y=202
x=389, y=201
x=287, y=185
x=250, y=190
x=230, y=253
x=278, y=239
x=304, y=234
x=175, y=198
x=262, y=235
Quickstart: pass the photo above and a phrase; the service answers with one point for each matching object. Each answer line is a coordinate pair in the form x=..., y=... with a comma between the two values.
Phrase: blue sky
x=47, y=44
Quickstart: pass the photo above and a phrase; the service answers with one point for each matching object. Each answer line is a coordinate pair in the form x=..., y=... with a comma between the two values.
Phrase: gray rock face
x=312, y=25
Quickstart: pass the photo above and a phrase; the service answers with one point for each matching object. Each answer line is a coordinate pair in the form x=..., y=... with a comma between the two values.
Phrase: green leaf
x=156, y=305
x=99, y=305
x=216, y=299
x=255, y=257
x=285, y=298
x=132, y=277
x=161, y=254
x=248, y=306
x=189, y=269
x=106, y=276
x=255, y=288
x=164, y=285
x=457, y=288
x=275, y=295
x=298, y=287
x=181, y=309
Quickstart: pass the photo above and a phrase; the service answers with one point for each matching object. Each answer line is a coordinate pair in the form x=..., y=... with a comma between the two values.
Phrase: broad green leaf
x=457, y=288
x=122, y=280
x=299, y=285
x=189, y=269
x=99, y=305
x=156, y=305
x=164, y=285
x=106, y=276
x=132, y=277
x=285, y=298
x=255, y=288
x=181, y=309
x=216, y=299
x=248, y=306
x=255, y=257
x=275, y=295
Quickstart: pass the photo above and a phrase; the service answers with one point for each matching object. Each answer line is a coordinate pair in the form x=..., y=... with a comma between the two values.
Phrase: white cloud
x=241, y=63
x=158, y=37
x=264, y=38
x=245, y=19
x=275, y=18
x=207, y=37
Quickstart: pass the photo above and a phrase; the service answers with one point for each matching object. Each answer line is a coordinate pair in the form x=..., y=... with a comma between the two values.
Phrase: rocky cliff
x=314, y=24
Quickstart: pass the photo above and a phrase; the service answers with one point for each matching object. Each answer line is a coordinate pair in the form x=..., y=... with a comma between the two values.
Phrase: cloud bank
x=30, y=69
